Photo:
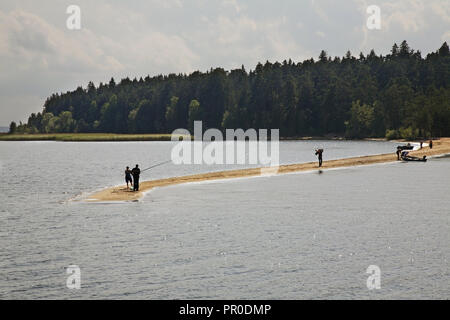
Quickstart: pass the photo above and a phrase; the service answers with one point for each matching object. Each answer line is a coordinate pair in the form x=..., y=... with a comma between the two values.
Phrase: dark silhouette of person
x=136, y=172
x=405, y=156
x=128, y=177
x=431, y=144
x=319, y=155
x=399, y=151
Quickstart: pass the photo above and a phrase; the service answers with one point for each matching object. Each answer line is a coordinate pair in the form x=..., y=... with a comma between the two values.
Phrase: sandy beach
x=120, y=193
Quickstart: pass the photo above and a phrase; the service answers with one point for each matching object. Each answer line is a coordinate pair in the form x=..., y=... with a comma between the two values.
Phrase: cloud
x=408, y=15
x=320, y=11
x=423, y=24
x=38, y=58
x=446, y=37
x=234, y=4
x=230, y=41
x=37, y=45
x=320, y=34
x=162, y=52
x=442, y=9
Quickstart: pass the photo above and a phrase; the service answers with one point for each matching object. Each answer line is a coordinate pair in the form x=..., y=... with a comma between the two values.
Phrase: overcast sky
x=40, y=56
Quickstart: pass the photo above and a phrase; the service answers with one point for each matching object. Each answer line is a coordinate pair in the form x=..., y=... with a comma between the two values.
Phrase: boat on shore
x=407, y=147
x=406, y=157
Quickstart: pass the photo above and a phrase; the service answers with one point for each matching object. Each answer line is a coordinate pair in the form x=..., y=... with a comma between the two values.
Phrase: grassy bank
x=91, y=137
x=85, y=137
x=80, y=137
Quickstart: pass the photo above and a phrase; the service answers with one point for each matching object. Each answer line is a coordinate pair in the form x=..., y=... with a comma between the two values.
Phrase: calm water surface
x=297, y=236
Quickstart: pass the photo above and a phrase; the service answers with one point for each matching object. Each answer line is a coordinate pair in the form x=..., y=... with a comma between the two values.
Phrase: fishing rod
x=156, y=165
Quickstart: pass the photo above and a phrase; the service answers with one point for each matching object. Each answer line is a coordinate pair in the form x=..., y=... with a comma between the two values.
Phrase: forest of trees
x=401, y=94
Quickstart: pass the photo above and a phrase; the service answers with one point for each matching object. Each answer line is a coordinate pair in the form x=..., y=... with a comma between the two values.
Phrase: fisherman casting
x=136, y=173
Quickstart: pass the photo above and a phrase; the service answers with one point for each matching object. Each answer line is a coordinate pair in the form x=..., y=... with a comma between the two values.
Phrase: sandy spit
x=120, y=193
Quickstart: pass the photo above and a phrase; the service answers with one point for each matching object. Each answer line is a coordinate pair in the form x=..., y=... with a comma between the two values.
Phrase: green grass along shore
x=85, y=137
x=105, y=137
x=112, y=137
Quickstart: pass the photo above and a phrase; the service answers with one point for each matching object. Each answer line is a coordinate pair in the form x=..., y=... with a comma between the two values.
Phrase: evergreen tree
x=12, y=127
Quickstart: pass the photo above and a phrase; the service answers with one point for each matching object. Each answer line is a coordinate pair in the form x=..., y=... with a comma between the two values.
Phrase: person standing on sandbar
x=399, y=152
x=319, y=155
x=128, y=177
x=136, y=172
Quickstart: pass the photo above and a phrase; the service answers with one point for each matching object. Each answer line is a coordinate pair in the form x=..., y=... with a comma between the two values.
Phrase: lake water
x=294, y=236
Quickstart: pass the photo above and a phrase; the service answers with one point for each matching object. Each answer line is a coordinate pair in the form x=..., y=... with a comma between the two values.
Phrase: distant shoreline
x=85, y=137
x=116, y=137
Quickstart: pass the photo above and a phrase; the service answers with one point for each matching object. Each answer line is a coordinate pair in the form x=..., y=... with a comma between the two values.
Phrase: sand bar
x=120, y=193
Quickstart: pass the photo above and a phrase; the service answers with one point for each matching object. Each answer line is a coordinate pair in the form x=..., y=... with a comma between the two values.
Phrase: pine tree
x=12, y=127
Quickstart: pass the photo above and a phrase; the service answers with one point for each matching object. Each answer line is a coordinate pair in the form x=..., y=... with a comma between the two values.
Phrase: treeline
x=401, y=94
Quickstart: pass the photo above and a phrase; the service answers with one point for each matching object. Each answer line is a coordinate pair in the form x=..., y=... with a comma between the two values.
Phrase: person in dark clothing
x=431, y=144
x=136, y=172
x=404, y=155
x=319, y=155
x=128, y=177
x=399, y=151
